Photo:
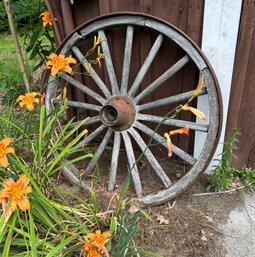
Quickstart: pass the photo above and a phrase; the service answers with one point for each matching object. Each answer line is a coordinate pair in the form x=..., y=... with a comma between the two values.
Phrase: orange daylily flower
x=95, y=243
x=91, y=250
x=28, y=99
x=46, y=19
x=5, y=150
x=16, y=192
x=59, y=63
x=97, y=238
x=195, y=111
x=184, y=130
x=199, y=86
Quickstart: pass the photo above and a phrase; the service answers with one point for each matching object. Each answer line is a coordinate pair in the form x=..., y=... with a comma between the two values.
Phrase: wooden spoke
x=86, y=106
x=91, y=72
x=108, y=62
x=114, y=161
x=83, y=88
x=98, y=152
x=127, y=59
x=178, y=151
x=173, y=122
x=92, y=136
x=73, y=175
x=165, y=76
x=132, y=163
x=170, y=100
x=151, y=159
x=88, y=122
x=146, y=65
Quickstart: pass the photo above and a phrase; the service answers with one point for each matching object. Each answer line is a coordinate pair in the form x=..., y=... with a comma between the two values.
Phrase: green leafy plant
x=223, y=173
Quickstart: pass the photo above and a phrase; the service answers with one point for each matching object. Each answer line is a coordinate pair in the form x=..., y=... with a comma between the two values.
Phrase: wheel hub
x=118, y=113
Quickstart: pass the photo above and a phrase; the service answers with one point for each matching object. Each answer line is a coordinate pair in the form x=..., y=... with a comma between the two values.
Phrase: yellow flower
x=5, y=150
x=99, y=56
x=59, y=63
x=199, y=86
x=16, y=192
x=96, y=41
x=184, y=130
x=195, y=111
x=28, y=99
x=46, y=19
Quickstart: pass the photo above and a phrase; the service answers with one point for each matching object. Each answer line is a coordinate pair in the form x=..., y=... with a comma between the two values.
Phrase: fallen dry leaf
x=162, y=219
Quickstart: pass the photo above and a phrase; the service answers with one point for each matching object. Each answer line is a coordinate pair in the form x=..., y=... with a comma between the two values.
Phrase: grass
x=8, y=55
x=6, y=44
x=11, y=79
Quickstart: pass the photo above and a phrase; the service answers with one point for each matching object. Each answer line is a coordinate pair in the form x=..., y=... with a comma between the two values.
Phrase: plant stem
x=7, y=5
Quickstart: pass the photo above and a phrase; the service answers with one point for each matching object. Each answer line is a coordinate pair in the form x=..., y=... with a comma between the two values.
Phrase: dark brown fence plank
x=242, y=105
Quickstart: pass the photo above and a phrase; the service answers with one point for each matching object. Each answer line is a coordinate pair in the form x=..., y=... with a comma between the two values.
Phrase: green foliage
x=58, y=219
x=12, y=82
x=124, y=237
x=25, y=13
x=246, y=176
x=224, y=174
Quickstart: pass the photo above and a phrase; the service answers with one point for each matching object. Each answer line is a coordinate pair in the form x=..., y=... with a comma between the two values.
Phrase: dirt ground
x=186, y=227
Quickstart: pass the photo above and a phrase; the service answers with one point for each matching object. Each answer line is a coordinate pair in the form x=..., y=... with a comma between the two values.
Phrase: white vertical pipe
x=220, y=30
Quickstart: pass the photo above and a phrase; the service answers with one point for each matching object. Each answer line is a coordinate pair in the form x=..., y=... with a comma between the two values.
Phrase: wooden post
x=7, y=5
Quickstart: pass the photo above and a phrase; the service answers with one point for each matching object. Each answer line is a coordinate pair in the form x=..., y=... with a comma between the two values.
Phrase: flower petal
x=6, y=141
x=9, y=183
x=5, y=209
x=54, y=70
x=23, y=203
x=70, y=60
x=195, y=111
x=199, y=86
x=5, y=192
x=21, y=104
x=30, y=107
x=10, y=150
x=4, y=161
x=107, y=234
x=28, y=190
x=184, y=130
x=68, y=69
x=37, y=100
x=13, y=205
x=169, y=145
x=23, y=181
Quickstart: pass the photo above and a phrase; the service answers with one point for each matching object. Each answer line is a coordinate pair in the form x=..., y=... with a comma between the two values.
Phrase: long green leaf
x=60, y=246
x=8, y=241
x=33, y=238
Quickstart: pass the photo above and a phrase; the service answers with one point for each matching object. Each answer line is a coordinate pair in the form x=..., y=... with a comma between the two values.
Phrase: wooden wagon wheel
x=120, y=114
